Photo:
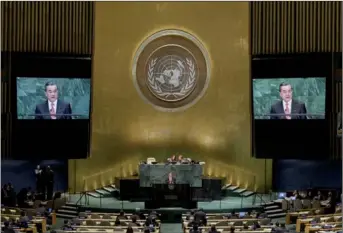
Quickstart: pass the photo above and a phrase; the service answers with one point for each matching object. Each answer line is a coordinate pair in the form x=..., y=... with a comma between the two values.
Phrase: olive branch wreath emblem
x=184, y=90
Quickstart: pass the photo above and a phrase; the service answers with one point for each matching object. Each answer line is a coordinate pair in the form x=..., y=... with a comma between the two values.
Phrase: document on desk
x=150, y=174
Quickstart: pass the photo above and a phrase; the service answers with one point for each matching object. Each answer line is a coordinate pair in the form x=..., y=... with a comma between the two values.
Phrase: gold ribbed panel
x=295, y=27
x=54, y=27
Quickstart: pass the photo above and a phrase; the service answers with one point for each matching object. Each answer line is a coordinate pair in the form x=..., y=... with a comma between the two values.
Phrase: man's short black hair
x=49, y=83
x=284, y=84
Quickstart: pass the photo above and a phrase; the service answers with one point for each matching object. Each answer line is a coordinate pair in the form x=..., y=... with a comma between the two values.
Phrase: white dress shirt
x=55, y=105
x=289, y=106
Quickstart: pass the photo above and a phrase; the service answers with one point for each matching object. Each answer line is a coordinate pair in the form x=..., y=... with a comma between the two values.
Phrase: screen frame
x=52, y=79
x=73, y=135
x=253, y=90
x=292, y=66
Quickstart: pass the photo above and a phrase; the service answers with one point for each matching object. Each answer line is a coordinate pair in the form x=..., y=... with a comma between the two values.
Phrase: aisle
x=171, y=228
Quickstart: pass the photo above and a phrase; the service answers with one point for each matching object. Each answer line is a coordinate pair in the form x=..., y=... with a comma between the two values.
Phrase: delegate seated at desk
x=179, y=159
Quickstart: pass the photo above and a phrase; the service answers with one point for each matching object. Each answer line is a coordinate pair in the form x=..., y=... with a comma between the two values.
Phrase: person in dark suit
x=171, y=178
x=49, y=182
x=53, y=108
x=200, y=217
x=287, y=105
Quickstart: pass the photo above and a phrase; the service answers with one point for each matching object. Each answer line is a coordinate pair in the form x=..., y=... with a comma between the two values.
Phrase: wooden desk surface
x=311, y=227
x=230, y=220
x=112, y=220
x=52, y=215
x=214, y=221
x=35, y=219
x=31, y=227
x=249, y=231
x=97, y=230
x=308, y=219
x=210, y=214
x=297, y=213
x=110, y=227
x=110, y=214
x=228, y=227
x=326, y=230
x=101, y=229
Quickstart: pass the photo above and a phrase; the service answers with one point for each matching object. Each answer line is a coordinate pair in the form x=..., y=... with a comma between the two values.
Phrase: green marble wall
x=30, y=92
x=311, y=91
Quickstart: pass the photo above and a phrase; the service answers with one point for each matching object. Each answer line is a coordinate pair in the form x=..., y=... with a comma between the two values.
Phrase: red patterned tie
x=287, y=112
x=53, y=111
x=170, y=178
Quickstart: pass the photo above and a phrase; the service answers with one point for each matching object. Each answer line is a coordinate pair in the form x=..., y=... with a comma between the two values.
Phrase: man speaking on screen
x=53, y=108
x=287, y=105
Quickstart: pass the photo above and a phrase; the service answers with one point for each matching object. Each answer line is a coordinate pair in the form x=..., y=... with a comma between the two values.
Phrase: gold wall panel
x=296, y=27
x=54, y=27
x=126, y=130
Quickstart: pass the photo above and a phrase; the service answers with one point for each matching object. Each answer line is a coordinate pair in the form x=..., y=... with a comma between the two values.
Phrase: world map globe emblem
x=171, y=70
x=171, y=77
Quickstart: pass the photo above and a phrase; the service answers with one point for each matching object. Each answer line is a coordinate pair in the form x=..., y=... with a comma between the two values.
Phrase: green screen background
x=311, y=91
x=30, y=92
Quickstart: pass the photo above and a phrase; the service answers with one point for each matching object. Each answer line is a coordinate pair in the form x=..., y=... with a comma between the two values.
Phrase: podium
x=178, y=194
x=151, y=174
x=165, y=195
x=189, y=186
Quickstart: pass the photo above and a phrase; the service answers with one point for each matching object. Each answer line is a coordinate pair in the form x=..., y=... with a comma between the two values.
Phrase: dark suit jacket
x=297, y=107
x=62, y=108
x=200, y=216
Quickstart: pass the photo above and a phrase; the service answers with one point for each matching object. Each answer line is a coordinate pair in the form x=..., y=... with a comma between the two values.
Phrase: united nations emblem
x=171, y=70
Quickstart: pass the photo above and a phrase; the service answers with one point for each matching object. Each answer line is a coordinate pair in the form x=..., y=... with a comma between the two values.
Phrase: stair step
x=226, y=186
x=278, y=215
x=269, y=203
x=93, y=194
x=67, y=211
x=109, y=189
x=240, y=191
x=278, y=201
x=233, y=188
x=69, y=207
x=247, y=193
x=271, y=207
x=65, y=215
x=101, y=191
x=71, y=204
x=273, y=211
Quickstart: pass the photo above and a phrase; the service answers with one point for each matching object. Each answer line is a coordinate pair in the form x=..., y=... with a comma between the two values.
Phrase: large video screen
x=289, y=98
x=53, y=98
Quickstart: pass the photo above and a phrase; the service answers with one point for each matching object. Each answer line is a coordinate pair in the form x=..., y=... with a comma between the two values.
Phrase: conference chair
x=265, y=222
x=222, y=224
x=106, y=216
x=307, y=204
x=284, y=205
x=297, y=205
x=95, y=216
x=316, y=204
x=90, y=222
x=105, y=223
x=238, y=224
